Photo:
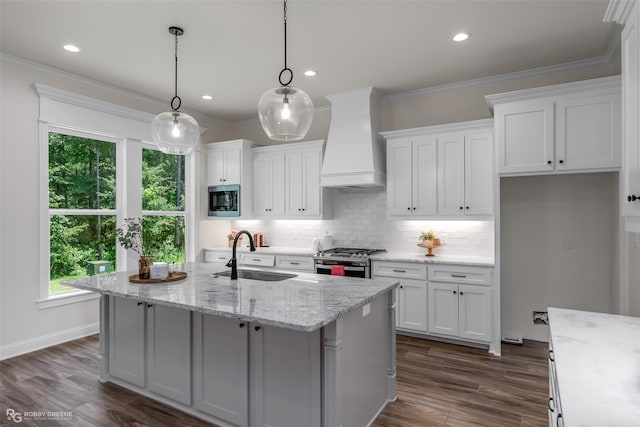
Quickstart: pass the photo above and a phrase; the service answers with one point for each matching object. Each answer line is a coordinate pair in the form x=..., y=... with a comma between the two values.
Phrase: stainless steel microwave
x=224, y=200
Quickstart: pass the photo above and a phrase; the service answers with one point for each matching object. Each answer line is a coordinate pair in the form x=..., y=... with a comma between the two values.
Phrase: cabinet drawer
x=407, y=270
x=290, y=262
x=261, y=260
x=460, y=274
x=217, y=256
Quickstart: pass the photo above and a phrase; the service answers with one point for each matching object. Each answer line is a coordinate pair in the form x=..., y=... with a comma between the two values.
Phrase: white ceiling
x=233, y=50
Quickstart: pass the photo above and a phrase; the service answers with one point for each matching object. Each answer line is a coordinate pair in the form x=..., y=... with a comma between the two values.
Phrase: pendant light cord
x=176, y=97
x=285, y=69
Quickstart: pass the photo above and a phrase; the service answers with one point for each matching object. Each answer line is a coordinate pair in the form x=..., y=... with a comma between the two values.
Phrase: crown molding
x=618, y=11
x=462, y=126
x=115, y=90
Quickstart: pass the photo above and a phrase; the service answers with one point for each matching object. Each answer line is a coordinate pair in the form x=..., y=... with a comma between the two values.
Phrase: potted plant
x=130, y=237
x=427, y=237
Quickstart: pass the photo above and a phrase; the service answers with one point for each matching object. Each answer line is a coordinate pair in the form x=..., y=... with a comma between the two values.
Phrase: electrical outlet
x=568, y=243
x=540, y=318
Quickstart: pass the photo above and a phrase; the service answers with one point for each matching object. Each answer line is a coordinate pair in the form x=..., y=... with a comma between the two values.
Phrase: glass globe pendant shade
x=285, y=113
x=175, y=132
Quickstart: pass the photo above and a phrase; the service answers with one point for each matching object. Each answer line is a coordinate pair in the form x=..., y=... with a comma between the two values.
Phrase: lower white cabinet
x=295, y=262
x=217, y=256
x=221, y=361
x=165, y=331
x=460, y=310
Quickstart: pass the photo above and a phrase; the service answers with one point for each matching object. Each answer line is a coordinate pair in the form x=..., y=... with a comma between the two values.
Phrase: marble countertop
x=597, y=358
x=384, y=256
x=304, y=303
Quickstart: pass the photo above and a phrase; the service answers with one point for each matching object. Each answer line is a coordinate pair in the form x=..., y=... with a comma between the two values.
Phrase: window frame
x=79, y=115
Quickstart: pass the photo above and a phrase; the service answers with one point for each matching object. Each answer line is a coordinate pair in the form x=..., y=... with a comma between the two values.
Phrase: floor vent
x=512, y=339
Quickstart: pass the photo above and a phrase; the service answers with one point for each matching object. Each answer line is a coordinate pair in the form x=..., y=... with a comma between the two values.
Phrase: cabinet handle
x=257, y=328
x=561, y=161
x=149, y=305
x=241, y=325
x=257, y=260
x=294, y=263
x=461, y=276
x=399, y=271
x=633, y=198
x=222, y=257
x=549, y=162
x=552, y=356
x=558, y=421
x=549, y=404
x=139, y=304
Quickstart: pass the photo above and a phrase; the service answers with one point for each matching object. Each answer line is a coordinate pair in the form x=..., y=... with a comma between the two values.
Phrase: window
x=82, y=206
x=163, y=205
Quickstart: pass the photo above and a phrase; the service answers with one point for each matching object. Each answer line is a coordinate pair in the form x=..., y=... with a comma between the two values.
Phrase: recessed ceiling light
x=71, y=48
x=207, y=97
x=460, y=37
x=310, y=73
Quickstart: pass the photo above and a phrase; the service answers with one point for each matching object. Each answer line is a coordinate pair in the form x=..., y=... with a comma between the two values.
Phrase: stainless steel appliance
x=355, y=261
x=224, y=200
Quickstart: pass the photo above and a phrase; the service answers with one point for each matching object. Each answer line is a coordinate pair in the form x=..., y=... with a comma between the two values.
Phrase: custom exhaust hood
x=354, y=153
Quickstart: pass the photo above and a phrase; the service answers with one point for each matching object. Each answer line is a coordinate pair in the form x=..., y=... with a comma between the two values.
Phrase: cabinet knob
x=461, y=293
x=241, y=325
x=139, y=304
x=633, y=198
x=455, y=292
x=257, y=328
x=401, y=287
x=561, y=161
x=299, y=209
x=409, y=208
x=461, y=208
x=149, y=305
x=548, y=162
x=467, y=207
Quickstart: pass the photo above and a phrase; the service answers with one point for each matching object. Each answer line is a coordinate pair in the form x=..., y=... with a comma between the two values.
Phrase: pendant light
x=173, y=131
x=285, y=112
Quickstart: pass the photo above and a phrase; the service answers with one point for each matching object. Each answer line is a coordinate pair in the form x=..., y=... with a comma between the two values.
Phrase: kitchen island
x=313, y=350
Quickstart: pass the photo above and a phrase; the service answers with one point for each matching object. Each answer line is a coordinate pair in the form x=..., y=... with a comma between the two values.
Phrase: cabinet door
x=630, y=174
x=451, y=174
x=412, y=305
x=221, y=365
x=169, y=335
x=277, y=355
x=268, y=185
x=478, y=176
x=525, y=136
x=311, y=164
x=215, y=167
x=294, y=184
x=443, y=308
x=127, y=340
x=424, y=173
x=232, y=167
x=588, y=133
x=399, y=177
x=474, y=312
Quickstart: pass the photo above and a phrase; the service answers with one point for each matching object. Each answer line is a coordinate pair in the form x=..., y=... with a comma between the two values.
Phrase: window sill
x=66, y=298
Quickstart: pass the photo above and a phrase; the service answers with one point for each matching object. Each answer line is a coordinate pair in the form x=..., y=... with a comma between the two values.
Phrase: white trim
x=461, y=126
x=618, y=11
x=64, y=298
x=164, y=213
x=82, y=212
x=37, y=343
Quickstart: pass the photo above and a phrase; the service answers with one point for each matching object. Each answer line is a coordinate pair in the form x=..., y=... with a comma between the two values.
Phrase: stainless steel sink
x=267, y=276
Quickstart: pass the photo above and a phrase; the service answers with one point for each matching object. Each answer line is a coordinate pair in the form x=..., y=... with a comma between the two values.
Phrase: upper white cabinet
x=440, y=171
x=628, y=13
x=573, y=127
x=230, y=162
x=287, y=181
x=411, y=175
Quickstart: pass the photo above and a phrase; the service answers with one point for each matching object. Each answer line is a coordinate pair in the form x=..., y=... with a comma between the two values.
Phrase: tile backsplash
x=360, y=220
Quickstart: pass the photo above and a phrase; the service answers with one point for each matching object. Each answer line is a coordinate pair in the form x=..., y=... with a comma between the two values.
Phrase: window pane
x=162, y=181
x=82, y=173
x=77, y=240
x=163, y=238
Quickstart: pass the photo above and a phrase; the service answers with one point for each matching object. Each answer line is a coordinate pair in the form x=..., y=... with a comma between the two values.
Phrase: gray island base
x=314, y=350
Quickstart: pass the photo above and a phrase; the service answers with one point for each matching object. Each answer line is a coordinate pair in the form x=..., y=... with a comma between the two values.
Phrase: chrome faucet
x=233, y=262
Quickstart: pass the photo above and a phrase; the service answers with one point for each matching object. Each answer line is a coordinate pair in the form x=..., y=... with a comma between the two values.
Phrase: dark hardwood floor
x=439, y=384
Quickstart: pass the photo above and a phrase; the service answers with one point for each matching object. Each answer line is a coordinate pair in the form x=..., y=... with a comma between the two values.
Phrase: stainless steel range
x=355, y=262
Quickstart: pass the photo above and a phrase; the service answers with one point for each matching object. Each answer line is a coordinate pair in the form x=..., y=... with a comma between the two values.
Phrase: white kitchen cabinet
x=217, y=256
x=411, y=176
x=268, y=183
x=257, y=260
x=275, y=355
x=450, y=174
x=465, y=173
x=302, y=191
x=169, y=344
x=230, y=163
x=221, y=366
x=628, y=14
x=460, y=302
x=411, y=294
x=572, y=127
x=165, y=331
x=295, y=262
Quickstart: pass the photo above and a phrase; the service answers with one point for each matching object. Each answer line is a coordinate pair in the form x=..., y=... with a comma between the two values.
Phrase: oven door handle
x=346, y=267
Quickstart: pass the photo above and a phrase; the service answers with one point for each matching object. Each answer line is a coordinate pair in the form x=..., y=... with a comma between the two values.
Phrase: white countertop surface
x=304, y=303
x=597, y=358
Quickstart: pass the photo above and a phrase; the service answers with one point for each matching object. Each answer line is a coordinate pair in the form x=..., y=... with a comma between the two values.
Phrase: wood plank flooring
x=438, y=384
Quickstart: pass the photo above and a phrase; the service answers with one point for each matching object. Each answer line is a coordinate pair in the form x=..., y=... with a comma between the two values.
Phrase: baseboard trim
x=38, y=343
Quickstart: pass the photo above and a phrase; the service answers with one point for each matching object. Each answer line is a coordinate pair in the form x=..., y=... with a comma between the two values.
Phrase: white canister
x=326, y=242
x=159, y=270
